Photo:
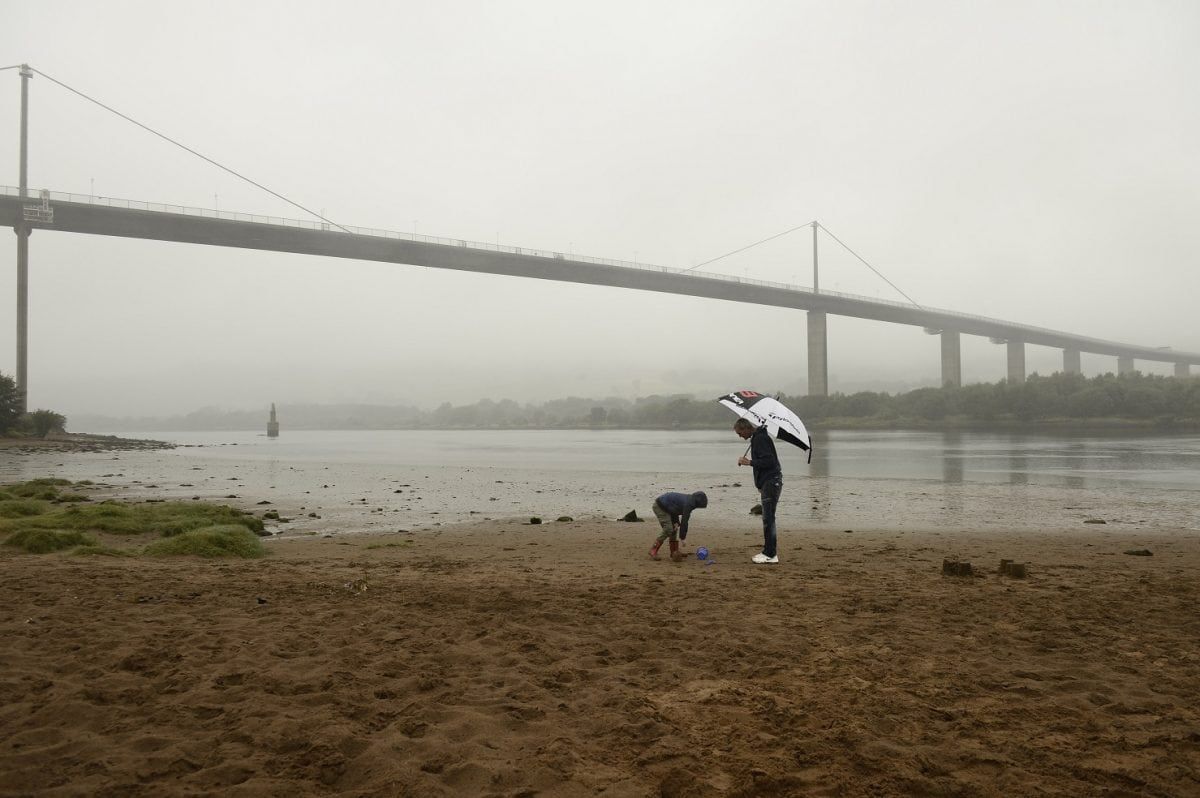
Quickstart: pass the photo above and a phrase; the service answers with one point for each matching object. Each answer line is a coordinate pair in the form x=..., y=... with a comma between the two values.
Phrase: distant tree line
x=678, y=410
x=1060, y=398
x=1129, y=400
x=1136, y=397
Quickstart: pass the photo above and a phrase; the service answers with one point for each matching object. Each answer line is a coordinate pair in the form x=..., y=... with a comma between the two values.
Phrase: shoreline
x=500, y=658
x=366, y=655
x=79, y=442
x=1034, y=427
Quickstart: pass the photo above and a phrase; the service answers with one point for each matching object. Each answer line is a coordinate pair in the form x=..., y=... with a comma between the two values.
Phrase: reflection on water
x=954, y=457
x=412, y=478
x=951, y=457
x=1018, y=468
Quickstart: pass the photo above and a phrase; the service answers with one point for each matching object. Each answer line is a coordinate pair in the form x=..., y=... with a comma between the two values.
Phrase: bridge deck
x=81, y=214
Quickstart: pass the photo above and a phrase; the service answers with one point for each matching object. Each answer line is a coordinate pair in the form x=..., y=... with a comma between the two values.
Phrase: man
x=673, y=511
x=768, y=478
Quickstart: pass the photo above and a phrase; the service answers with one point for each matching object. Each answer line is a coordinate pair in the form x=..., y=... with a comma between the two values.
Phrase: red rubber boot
x=654, y=549
x=675, y=555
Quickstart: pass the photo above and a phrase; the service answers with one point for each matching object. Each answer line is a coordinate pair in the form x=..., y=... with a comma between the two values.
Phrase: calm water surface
x=414, y=478
x=945, y=456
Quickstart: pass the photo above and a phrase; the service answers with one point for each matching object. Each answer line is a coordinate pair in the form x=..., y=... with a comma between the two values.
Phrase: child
x=673, y=511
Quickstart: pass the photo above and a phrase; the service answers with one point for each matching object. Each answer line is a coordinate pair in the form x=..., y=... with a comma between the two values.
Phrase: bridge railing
x=234, y=216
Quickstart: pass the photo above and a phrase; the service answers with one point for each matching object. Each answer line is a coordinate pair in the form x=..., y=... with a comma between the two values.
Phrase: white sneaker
x=761, y=558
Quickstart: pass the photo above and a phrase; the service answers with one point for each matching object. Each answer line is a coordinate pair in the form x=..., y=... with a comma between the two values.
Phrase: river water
x=335, y=481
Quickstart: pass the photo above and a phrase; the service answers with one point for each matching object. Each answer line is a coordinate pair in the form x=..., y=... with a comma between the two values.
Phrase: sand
x=559, y=660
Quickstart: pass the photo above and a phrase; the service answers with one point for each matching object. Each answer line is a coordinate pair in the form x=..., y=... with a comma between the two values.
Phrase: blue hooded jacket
x=680, y=505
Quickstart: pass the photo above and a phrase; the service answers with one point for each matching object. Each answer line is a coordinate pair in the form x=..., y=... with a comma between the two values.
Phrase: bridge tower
x=22, y=230
x=273, y=424
x=818, y=338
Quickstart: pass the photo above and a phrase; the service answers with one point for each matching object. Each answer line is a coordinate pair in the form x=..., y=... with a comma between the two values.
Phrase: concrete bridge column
x=1071, y=362
x=23, y=315
x=1124, y=365
x=1182, y=370
x=1016, y=361
x=951, y=359
x=818, y=354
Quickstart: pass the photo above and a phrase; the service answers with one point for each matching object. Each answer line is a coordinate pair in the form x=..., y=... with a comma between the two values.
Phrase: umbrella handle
x=747, y=451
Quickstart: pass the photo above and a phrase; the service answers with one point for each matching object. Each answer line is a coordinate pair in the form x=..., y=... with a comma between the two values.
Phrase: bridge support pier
x=22, y=230
x=23, y=315
x=1071, y=362
x=818, y=354
x=1124, y=365
x=1016, y=361
x=951, y=359
x=1182, y=370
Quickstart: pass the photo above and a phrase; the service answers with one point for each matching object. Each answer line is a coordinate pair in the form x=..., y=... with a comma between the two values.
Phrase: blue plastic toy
x=702, y=553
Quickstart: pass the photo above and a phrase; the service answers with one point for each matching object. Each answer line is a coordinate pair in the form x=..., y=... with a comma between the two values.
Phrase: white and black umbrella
x=781, y=423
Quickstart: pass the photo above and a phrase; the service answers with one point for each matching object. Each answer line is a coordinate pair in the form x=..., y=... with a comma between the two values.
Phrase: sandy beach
x=509, y=659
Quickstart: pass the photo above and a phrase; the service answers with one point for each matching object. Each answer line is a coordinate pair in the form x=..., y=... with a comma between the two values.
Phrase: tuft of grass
x=64, y=498
x=164, y=518
x=22, y=508
x=45, y=488
x=221, y=540
x=43, y=541
x=35, y=485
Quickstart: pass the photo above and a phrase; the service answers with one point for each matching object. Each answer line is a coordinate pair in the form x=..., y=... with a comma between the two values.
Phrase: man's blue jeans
x=770, y=500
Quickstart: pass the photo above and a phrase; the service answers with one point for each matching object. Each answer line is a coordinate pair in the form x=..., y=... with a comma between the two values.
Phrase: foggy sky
x=1034, y=162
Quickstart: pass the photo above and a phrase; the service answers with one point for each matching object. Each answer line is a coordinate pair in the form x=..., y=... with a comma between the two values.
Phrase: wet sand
x=507, y=659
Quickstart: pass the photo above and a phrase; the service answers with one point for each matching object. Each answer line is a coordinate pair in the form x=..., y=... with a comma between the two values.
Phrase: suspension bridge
x=27, y=211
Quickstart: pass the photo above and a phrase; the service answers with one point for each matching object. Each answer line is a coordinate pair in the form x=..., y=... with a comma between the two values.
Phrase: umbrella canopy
x=760, y=410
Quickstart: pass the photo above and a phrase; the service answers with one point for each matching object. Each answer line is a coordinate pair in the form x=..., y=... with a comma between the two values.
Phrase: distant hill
x=341, y=416
x=1108, y=400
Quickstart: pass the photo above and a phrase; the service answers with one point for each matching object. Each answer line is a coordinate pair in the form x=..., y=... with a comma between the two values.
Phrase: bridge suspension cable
x=749, y=246
x=869, y=266
x=190, y=150
x=794, y=229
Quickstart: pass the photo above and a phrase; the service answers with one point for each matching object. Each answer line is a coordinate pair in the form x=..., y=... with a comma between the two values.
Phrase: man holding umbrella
x=761, y=419
x=768, y=478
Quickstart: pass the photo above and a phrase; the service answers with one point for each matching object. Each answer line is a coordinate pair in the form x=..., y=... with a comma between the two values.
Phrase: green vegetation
x=42, y=541
x=12, y=419
x=1066, y=399
x=1128, y=400
x=39, y=516
x=226, y=540
x=22, y=508
x=399, y=545
x=165, y=519
x=45, y=488
x=1133, y=400
x=43, y=422
x=10, y=403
